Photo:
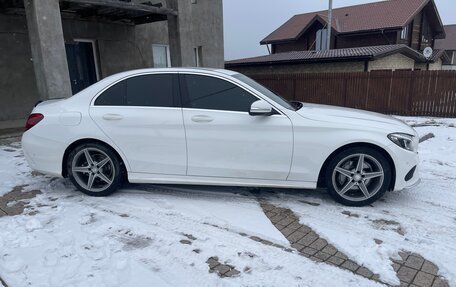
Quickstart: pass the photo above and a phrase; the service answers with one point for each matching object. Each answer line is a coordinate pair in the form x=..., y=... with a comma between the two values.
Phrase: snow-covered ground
x=133, y=237
x=421, y=220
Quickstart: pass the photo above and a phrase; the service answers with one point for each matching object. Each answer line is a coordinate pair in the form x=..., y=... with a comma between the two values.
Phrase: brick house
x=449, y=46
x=401, y=29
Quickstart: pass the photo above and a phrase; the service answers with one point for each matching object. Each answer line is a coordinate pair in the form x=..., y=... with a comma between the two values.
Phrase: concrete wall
x=50, y=64
x=18, y=91
x=302, y=68
x=119, y=48
x=198, y=24
x=207, y=24
x=148, y=35
x=393, y=62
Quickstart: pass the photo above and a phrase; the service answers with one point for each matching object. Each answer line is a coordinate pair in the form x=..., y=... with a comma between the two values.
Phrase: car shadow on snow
x=307, y=196
x=311, y=197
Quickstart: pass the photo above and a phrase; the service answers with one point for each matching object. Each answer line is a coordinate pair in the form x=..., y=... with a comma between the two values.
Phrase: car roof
x=95, y=88
x=176, y=70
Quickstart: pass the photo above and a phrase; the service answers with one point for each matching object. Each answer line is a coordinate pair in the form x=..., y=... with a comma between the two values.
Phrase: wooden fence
x=408, y=93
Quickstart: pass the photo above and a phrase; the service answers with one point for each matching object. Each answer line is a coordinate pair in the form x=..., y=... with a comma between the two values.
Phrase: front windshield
x=265, y=91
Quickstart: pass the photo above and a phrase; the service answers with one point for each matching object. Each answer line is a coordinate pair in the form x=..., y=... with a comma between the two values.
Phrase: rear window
x=114, y=96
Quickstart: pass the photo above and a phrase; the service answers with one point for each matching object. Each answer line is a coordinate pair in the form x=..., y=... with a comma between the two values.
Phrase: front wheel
x=94, y=169
x=358, y=176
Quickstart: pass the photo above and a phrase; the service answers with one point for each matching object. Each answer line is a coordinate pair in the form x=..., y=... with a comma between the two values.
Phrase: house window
x=405, y=33
x=453, y=58
x=426, y=32
x=198, y=51
x=160, y=54
x=321, y=40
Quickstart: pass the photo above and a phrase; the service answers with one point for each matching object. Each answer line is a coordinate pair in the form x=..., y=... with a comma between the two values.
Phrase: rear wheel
x=358, y=176
x=94, y=169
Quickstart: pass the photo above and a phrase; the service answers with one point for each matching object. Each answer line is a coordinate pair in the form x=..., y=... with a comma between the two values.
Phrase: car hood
x=354, y=117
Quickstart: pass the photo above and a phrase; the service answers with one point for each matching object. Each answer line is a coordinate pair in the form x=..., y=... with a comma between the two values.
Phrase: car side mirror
x=260, y=108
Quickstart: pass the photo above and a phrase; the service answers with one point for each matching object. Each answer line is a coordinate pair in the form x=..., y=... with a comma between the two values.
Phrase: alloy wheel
x=93, y=169
x=358, y=177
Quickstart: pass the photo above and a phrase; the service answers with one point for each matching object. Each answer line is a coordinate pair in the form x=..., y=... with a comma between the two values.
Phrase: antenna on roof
x=330, y=12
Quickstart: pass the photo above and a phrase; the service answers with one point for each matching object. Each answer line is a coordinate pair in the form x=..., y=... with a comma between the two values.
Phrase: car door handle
x=112, y=117
x=202, y=119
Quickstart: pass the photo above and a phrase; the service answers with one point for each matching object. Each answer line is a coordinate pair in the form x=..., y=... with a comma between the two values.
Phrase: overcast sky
x=247, y=22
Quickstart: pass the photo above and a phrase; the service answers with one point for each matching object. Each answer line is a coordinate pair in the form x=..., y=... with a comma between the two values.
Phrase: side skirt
x=199, y=180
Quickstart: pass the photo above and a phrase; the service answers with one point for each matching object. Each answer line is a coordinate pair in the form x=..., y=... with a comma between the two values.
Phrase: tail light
x=32, y=120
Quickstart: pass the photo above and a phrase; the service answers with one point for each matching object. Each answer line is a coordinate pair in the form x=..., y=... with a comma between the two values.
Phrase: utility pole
x=330, y=13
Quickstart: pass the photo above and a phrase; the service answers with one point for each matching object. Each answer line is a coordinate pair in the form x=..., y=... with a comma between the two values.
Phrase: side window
x=143, y=91
x=205, y=92
x=114, y=96
x=150, y=91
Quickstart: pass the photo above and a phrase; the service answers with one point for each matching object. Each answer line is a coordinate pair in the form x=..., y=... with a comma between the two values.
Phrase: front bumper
x=407, y=167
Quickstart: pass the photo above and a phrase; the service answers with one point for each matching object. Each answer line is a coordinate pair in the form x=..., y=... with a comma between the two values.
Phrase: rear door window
x=155, y=90
x=150, y=91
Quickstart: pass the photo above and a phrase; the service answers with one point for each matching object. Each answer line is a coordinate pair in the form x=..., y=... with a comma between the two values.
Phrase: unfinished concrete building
x=54, y=48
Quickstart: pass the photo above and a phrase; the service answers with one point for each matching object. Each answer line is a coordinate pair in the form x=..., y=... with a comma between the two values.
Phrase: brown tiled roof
x=373, y=16
x=350, y=54
x=449, y=43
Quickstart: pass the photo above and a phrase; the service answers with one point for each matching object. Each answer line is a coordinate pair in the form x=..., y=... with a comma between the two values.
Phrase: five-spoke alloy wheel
x=358, y=176
x=94, y=169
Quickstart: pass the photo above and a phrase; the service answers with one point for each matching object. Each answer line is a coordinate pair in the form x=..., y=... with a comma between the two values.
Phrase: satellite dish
x=427, y=53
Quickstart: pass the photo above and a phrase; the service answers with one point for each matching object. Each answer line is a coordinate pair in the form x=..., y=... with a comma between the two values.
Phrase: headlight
x=405, y=141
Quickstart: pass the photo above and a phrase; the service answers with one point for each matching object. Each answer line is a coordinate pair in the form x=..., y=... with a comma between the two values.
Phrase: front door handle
x=112, y=117
x=202, y=119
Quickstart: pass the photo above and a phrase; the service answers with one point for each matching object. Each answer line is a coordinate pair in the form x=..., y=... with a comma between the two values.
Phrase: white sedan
x=216, y=127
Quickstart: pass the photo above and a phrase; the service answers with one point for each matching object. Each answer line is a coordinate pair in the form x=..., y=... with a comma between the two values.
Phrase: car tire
x=358, y=176
x=95, y=169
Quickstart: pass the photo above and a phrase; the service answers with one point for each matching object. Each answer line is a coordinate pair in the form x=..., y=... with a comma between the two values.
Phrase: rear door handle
x=202, y=119
x=112, y=117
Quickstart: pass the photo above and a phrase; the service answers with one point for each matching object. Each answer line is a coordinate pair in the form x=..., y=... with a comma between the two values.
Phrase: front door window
x=215, y=94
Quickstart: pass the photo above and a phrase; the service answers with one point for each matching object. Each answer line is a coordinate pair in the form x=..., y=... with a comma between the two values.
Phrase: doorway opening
x=82, y=64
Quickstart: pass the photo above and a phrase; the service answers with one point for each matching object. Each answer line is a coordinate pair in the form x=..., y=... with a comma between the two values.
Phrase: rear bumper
x=42, y=154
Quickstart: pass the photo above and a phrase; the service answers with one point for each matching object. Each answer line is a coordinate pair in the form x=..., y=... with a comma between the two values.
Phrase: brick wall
x=393, y=62
x=432, y=66
x=436, y=66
